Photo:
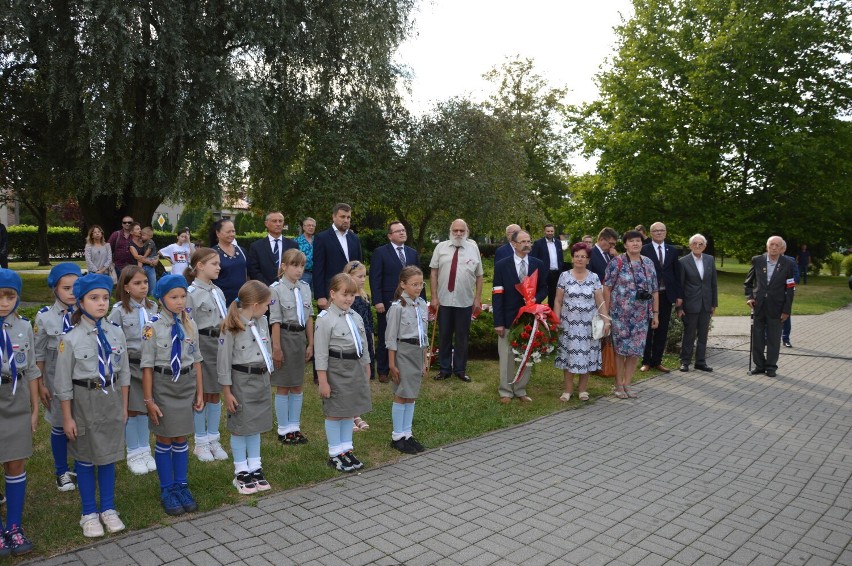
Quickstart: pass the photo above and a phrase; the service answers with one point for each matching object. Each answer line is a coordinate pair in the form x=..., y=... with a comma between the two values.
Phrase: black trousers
x=382, y=364
x=453, y=328
x=695, y=323
x=552, y=280
x=655, y=345
x=767, y=338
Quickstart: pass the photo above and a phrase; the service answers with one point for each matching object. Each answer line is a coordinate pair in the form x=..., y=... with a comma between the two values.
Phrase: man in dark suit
x=665, y=258
x=385, y=264
x=506, y=250
x=549, y=250
x=507, y=301
x=600, y=256
x=264, y=256
x=700, y=299
x=769, y=286
x=333, y=249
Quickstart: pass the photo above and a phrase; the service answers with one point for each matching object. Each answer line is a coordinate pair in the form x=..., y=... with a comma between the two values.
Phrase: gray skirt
x=409, y=361
x=100, y=425
x=209, y=346
x=175, y=400
x=54, y=414
x=16, y=436
x=350, y=389
x=136, y=399
x=254, y=412
x=292, y=371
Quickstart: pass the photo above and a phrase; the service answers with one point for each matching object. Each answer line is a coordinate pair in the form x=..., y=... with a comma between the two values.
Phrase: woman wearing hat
x=92, y=383
x=172, y=388
x=18, y=410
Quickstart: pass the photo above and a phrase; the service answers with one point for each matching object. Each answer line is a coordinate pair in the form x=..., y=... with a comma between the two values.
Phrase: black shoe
x=787, y=344
x=403, y=446
x=413, y=442
x=289, y=438
x=441, y=376
x=300, y=438
x=340, y=463
x=463, y=377
x=704, y=367
x=17, y=541
x=685, y=367
x=259, y=480
x=352, y=460
x=770, y=373
x=757, y=371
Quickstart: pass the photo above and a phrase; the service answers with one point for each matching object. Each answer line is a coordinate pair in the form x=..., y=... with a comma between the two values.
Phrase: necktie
x=275, y=252
x=263, y=351
x=420, y=332
x=104, y=355
x=454, y=266
x=300, y=306
x=660, y=253
x=522, y=270
x=401, y=255
x=177, y=347
x=356, y=338
x=219, y=302
x=66, y=320
x=6, y=350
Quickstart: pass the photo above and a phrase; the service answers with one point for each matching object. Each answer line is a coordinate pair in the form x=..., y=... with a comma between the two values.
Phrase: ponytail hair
x=407, y=273
x=121, y=295
x=200, y=255
x=251, y=293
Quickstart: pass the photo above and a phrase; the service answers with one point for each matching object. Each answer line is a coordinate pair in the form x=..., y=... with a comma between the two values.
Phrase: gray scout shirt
x=157, y=343
x=23, y=345
x=333, y=333
x=402, y=321
x=78, y=358
x=202, y=305
x=132, y=323
x=48, y=329
x=283, y=309
x=241, y=348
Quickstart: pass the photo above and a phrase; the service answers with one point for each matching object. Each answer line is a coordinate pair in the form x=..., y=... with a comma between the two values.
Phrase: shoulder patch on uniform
x=191, y=289
x=148, y=332
x=155, y=318
x=276, y=284
x=115, y=324
x=396, y=302
x=61, y=346
x=322, y=313
x=44, y=309
x=221, y=340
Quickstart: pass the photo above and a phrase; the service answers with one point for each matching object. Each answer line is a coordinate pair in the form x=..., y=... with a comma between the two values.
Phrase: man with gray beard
x=456, y=285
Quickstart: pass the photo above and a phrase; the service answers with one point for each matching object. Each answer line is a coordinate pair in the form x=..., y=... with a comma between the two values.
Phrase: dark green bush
x=63, y=242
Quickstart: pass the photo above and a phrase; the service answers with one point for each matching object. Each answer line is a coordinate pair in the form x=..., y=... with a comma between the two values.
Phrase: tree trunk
x=107, y=212
x=43, y=247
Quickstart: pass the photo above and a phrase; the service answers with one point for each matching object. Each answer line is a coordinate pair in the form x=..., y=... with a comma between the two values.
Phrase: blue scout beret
x=60, y=270
x=169, y=282
x=90, y=282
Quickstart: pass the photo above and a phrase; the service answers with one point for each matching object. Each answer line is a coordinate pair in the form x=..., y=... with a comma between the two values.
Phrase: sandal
x=360, y=424
x=620, y=393
x=630, y=393
x=584, y=396
x=565, y=397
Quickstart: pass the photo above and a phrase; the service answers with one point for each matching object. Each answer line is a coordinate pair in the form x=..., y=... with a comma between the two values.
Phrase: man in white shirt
x=700, y=299
x=264, y=256
x=549, y=250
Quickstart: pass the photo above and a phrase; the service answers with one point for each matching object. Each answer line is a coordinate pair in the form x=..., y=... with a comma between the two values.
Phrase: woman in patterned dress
x=630, y=290
x=578, y=295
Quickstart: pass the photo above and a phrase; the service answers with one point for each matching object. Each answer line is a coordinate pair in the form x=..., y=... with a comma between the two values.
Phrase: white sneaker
x=65, y=482
x=217, y=450
x=149, y=461
x=202, y=452
x=92, y=527
x=111, y=521
x=136, y=464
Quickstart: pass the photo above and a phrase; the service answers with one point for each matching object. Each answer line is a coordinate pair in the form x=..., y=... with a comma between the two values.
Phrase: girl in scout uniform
x=362, y=306
x=244, y=364
x=50, y=323
x=292, y=329
x=18, y=410
x=343, y=368
x=206, y=304
x=93, y=383
x=172, y=388
x=131, y=312
x=406, y=341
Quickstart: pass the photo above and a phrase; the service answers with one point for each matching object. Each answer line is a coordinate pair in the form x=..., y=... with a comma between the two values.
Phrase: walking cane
x=432, y=341
x=750, y=340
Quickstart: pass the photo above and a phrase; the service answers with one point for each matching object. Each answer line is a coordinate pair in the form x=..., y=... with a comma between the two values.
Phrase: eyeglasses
x=581, y=257
x=656, y=231
x=127, y=222
x=400, y=231
x=699, y=243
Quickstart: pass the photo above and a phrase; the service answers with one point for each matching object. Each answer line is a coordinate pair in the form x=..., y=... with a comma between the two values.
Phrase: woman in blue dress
x=630, y=290
x=233, y=272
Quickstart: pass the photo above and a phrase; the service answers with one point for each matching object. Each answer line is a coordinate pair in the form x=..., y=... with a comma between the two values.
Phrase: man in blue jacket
x=666, y=262
x=333, y=249
x=507, y=301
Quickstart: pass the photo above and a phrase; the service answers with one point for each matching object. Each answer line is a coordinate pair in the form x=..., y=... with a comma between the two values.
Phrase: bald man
x=769, y=286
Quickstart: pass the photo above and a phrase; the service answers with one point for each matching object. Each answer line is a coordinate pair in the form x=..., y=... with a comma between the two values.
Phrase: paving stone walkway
x=719, y=468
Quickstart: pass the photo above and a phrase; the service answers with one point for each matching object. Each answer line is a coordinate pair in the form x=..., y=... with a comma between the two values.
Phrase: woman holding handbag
x=98, y=253
x=578, y=303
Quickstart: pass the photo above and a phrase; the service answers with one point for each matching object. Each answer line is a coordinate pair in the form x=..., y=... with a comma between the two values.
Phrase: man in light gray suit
x=700, y=299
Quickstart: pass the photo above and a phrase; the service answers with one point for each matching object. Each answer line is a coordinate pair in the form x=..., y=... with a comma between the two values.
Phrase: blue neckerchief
x=6, y=349
x=66, y=319
x=177, y=345
x=104, y=350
